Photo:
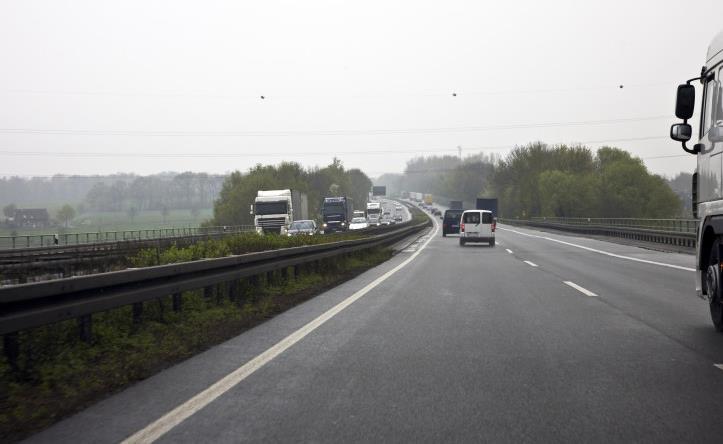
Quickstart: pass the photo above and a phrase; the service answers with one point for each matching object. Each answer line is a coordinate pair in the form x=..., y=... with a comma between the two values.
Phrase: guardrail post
x=285, y=274
x=177, y=302
x=85, y=328
x=208, y=293
x=254, y=282
x=219, y=293
x=269, y=277
x=297, y=271
x=11, y=348
x=161, y=310
x=137, y=312
x=234, y=290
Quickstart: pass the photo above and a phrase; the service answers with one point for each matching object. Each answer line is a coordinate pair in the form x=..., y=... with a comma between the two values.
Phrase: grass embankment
x=117, y=221
x=58, y=374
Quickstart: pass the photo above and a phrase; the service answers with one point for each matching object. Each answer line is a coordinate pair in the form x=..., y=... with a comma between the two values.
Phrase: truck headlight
x=343, y=224
x=324, y=225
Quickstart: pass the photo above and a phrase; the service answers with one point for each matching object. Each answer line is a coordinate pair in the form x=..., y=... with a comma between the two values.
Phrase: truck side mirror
x=681, y=132
x=685, y=102
x=251, y=210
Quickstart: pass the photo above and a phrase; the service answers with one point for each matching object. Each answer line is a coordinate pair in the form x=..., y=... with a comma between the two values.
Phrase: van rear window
x=471, y=218
x=486, y=218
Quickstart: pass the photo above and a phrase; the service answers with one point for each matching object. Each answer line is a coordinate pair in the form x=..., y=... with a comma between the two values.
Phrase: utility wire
x=371, y=151
x=439, y=130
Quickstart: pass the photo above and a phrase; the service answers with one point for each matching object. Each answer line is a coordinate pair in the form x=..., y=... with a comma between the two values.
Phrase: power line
x=371, y=151
x=453, y=92
x=439, y=130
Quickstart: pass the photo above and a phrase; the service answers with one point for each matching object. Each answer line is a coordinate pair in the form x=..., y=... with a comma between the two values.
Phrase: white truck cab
x=477, y=226
x=708, y=177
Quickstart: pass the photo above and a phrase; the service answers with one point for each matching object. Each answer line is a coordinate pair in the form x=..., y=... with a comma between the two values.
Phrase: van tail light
x=461, y=227
x=494, y=225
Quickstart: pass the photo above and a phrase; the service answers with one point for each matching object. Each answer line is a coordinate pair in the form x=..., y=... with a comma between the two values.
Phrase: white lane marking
x=508, y=250
x=171, y=419
x=498, y=242
x=719, y=366
x=531, y=264
x=582, y=290
x=606, y=253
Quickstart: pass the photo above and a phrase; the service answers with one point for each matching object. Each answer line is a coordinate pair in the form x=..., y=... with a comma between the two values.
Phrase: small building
x=31, y=218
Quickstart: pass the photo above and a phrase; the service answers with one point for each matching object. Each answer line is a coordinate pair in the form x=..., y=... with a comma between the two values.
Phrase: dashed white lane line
x=606, y=253
x=718, y=366
x=167, y=422
x=531, y=264
x=508, y=250
x=582, y=290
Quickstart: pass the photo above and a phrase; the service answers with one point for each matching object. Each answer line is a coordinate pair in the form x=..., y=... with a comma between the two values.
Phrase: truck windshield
x=263, y=208
x=371, y=211
x=333, y=208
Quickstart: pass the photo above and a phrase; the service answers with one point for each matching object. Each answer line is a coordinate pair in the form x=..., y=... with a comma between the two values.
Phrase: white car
x=358, y=223
x=477, y=226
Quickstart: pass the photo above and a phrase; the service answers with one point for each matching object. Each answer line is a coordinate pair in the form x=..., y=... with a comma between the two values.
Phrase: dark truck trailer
x=489, y=204
x=336, y=213
x=455, y=205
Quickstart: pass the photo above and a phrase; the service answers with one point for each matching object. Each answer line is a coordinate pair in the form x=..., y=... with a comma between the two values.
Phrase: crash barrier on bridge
x=66, y=239
x=32, y=305
x=674, y=232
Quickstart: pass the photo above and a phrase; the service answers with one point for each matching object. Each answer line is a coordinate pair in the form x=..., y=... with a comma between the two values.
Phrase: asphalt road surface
x=543, y=338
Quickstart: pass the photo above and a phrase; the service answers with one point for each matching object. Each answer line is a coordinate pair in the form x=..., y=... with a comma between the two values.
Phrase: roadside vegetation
x=234, y=244
x=58, y=374
x=239, y=189
x=542, y=180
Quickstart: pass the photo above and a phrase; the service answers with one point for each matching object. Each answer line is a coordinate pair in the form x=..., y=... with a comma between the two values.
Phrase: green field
x=119, y=221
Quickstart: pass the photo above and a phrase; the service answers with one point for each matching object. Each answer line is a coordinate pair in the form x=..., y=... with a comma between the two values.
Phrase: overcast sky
x=95, y=87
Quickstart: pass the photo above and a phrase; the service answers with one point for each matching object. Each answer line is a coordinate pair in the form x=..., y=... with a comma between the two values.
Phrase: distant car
x=450, y=222
x=477, y=226
x=386, y=221
x=302, y=227
x=436, y=211
x=398, y=218
x=358, y=223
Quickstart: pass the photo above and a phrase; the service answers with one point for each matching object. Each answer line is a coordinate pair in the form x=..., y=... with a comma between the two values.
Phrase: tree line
x=239, y=190
x=542, y=180
x=119, y=192
x=181, y=191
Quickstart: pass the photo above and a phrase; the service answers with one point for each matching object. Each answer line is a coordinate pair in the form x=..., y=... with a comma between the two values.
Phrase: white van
x=477, y=226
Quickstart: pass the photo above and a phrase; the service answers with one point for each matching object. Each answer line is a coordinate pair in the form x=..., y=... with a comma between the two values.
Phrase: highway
x=545, y=337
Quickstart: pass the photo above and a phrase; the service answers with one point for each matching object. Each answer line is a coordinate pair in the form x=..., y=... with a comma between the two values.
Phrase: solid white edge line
x=607, y=253
x=582, y=290
x=167, y=422
x=531, y=264
x=508, y=250
x=718, y=366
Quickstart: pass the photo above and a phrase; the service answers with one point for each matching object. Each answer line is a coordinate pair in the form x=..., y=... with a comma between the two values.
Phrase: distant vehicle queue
x=286, y=212
x=472, y=225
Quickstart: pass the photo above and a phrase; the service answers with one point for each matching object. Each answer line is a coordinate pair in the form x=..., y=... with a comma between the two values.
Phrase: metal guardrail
x=667, y=233
x=87, y=238
x=668, y=225
x=26, y=306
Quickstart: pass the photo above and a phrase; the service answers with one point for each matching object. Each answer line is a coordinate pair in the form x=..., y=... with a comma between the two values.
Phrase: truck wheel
x=461, y=242
x=712, y=276
x=444, y=234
